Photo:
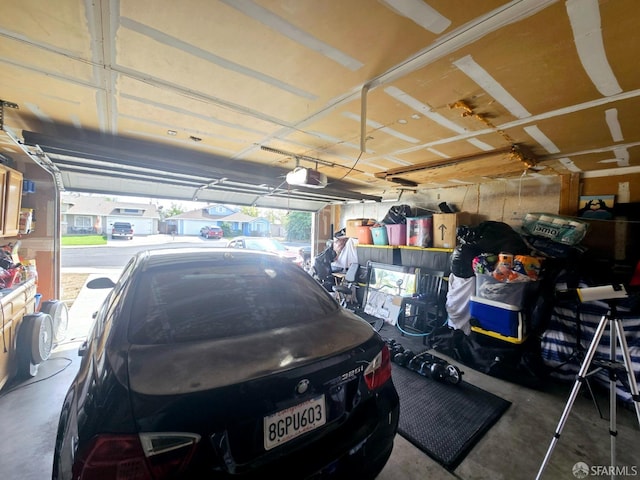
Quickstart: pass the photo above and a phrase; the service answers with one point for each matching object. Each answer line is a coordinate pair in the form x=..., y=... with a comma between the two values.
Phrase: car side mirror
x=82, y=350
x=101, y=282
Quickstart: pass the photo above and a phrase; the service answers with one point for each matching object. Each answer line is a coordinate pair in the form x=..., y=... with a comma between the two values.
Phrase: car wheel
x=60, y=317
x=35, y=342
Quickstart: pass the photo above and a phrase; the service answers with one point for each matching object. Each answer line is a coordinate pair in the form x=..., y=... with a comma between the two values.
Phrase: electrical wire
x=24, y=385
x=418, y=334
x=351, y=169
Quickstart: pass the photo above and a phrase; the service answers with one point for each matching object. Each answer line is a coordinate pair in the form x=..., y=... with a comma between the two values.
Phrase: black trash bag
x=421, y=212
x=467, y=234
x=521, y=364
x=397, y=215
x=462, y=260
x=489, y=236
x=446, y=208
x=499, y=237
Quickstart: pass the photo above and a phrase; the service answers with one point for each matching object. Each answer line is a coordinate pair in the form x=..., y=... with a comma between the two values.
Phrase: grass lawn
x=83, y=240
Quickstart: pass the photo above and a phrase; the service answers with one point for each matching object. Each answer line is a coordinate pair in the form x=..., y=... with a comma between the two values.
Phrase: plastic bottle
x=31, y=270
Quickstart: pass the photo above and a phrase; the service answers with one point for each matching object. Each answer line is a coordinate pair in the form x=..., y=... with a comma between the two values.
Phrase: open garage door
x=96, y=163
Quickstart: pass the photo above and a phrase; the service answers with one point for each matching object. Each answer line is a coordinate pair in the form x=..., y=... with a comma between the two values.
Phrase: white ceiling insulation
x=218, y=100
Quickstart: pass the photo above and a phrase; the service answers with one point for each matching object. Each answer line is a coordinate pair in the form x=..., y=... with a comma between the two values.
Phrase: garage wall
x=626, y=188
x=501, y=201
x=43, y=243
x=508, y=202
x=617, y=239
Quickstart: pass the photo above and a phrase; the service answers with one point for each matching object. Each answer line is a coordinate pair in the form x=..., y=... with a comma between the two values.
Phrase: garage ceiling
x=217, y=100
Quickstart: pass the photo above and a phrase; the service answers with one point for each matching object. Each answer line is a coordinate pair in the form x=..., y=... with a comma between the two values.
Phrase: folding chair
x=425, y=312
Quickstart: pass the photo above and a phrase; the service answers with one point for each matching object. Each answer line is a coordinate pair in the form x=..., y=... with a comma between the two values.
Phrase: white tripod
x=614, y=368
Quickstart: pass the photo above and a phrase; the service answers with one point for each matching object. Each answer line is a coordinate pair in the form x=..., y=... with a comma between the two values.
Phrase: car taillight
x=146, y=456
x=379, y=370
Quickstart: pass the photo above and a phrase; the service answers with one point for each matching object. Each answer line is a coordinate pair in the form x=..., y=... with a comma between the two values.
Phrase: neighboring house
x=190, y=223
x=83, y=214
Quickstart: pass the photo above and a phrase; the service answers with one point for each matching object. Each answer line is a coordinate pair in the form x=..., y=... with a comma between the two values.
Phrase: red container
x=397, y=234
x=364, y=235
x=420, y=231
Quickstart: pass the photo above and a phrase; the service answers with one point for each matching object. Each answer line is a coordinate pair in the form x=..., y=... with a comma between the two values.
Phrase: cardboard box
x=354, y=223
x=445, y=226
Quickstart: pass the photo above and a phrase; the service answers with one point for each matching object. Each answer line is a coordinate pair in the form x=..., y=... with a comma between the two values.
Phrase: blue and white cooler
x=497, y=319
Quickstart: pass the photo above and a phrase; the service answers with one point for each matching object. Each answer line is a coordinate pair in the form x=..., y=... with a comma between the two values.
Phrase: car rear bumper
x=357, y=449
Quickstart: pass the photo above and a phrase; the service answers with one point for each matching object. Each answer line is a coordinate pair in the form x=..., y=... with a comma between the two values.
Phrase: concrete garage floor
x=512, y=449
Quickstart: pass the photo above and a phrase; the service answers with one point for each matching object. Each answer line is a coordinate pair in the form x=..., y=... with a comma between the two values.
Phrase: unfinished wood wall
x=509, y=201
x=503, y=201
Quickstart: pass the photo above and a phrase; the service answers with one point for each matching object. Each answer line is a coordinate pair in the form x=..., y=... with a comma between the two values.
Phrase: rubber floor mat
x=444, y=421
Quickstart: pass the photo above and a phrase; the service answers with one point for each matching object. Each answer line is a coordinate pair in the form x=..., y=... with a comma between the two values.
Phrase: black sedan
x=225, y=364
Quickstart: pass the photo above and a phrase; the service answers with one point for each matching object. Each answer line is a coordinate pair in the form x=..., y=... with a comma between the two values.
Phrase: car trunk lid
x=249, y=396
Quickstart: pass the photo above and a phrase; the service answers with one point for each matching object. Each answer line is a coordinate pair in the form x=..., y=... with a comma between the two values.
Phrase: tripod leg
x=633, y=385
x=581, y=376
x=613, y=420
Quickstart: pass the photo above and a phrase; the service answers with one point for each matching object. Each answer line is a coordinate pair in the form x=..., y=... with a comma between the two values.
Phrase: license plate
x=292, y=422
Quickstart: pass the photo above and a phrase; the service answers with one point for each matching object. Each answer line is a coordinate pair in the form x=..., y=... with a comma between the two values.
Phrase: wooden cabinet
x=14, y=305
x=11, y=197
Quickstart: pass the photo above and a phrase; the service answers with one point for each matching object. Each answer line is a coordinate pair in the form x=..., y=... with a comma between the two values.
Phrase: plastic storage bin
x=512, y=293
x=378, y=254
x=420, y=231
x=397, y=234
x=364, y=235
x=379, y=235
x=430, y=258
x=353, y=224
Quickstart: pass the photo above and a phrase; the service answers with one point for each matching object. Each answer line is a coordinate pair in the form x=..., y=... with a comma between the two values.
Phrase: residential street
x=118, y=252
x=106, y=256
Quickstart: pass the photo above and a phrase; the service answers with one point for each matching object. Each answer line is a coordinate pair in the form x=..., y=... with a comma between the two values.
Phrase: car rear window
x=190, y=302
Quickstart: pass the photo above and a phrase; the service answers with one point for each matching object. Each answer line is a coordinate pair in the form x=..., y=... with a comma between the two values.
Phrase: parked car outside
x=212, y=232
x=122, y=230
x=267, y=244
x=217, y=364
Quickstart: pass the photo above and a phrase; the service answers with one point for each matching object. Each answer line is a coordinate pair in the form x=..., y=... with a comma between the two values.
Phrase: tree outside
x=226, y=230
x=298, y=225
x=174, y=209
